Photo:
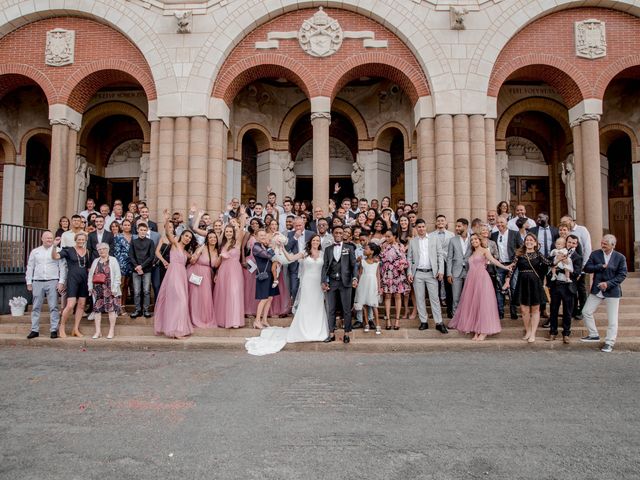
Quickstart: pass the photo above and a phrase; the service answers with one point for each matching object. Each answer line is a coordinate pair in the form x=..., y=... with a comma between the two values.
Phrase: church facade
x=455, y=104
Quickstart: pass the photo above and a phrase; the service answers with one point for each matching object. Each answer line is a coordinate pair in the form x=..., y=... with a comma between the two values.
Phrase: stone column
x=320, y=122
x=72, y=148
x=198, y=150
x=444, y=167
x=591, y=176
x=427, y=169
x=461, y=164
x=579, y=166
x=635, y=172
x=490, y=162
x=217, y=168
x=604, y=182
x=478, y=167
x=58, y=173
x=179, y=201
x=152, y=179
x=13, y=190
x=165, y=165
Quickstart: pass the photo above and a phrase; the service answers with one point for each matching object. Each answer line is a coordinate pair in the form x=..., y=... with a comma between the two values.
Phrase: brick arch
x=292, y=116
x=8, y=148
x=613, y=70
x=108, y=109
x=534, y=104
x=260, y=135
x=84, y=83
x=377, y=64
x=114, y=14
x=384, y=137
x=234, y=78
x=354, y=115
x=22, y=158
x=566, y=79
x=608, y=132
x=13, y=76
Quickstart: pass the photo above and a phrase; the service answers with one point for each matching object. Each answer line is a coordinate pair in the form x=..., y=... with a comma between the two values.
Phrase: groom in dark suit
x=339, y=277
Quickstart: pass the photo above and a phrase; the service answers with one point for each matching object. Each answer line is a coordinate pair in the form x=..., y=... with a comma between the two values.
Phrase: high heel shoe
x=110, y=336
x=96, y=336
x=257, y=326
x=76, y=333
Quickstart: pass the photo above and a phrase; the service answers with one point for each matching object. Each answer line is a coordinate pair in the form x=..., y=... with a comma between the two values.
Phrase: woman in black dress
x=77, y=290
x=532, y=267
x=265, y=290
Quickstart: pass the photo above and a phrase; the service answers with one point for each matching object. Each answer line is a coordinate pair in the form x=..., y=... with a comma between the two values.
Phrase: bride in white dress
x=310, y=321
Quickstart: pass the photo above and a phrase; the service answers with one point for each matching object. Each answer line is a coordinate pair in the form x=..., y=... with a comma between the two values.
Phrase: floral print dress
x=104, y=299
x=121, y=252
x=393, y=269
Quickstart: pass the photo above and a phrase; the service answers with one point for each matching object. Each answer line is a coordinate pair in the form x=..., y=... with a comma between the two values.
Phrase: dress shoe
x=33, y=334
x=346, y=339
x=330, y=338
x=514, y=316
x=54, y=334
x=544, y=314
x=578, y=316
x=147, y=314
x=565, y=339
x=136, y=314
x=357, y=325
x=372, y=325
x=551, y=338
x=423, y=326
x=441, y=328
x=546, y=324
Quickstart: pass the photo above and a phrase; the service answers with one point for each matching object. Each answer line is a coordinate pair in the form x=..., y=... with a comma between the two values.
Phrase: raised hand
x=56, y=242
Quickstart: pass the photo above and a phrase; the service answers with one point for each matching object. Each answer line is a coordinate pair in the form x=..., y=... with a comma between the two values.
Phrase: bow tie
x=337, y=244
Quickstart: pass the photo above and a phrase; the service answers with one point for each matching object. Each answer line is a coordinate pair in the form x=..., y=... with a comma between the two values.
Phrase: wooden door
x=532, y=192
x=621, y=225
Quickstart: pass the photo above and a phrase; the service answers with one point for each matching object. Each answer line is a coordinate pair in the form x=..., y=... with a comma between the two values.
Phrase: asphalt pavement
x=74, y=414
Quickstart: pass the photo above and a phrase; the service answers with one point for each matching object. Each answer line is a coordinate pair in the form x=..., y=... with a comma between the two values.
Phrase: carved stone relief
x=591, y=40
x=320, y=35
x=60, y=46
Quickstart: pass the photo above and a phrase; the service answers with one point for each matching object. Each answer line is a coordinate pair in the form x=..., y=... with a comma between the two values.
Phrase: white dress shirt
x=424, y=262
x=301, y=243
x=544, y=239
x=503, y=246
x=464, y=243
x=512, y=224
x=42, y=267
x=337, y=251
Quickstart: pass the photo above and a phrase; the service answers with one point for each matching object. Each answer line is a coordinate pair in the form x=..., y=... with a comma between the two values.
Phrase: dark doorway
x=304, y=188
x=36, y=198
x=621, y=197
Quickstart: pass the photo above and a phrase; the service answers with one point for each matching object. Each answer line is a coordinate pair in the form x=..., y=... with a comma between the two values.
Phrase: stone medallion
x=59, y=49
x=320, y=35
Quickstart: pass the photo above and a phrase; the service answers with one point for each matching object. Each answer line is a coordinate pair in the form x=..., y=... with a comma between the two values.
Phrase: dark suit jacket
x=554, y=235
x=292, y=247
x=577, y=261
x=348, y=264
x=152, y=226
x=513, y=242
x=614, y=274
x=92, y=243
x=313, y=224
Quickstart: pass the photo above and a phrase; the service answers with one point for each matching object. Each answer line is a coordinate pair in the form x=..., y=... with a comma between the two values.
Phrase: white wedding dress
x=310, y=321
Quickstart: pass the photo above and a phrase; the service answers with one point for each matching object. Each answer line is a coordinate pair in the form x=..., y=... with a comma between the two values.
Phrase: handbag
x=263, y=275
x=195, y=279
x=99, y=278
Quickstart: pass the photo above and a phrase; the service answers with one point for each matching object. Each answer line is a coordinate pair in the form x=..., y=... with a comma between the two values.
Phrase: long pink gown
x=201, y=296
x=250, y=302
x=281, y=303
x=172, y=305
x=228, y=296
x=477, y=311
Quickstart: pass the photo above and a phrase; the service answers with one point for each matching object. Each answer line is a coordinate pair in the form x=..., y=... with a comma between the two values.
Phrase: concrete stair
x=138, y=334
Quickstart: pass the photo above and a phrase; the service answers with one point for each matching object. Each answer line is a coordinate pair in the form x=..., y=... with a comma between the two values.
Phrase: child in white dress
x=561, y=269
x=368, y=291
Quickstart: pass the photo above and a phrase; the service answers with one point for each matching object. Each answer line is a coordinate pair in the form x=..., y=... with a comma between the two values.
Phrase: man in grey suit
x=458, y=260
x=426, y=268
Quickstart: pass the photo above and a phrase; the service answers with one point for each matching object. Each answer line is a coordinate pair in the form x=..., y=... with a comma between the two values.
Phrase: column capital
x=423, y=109
x=219, y=110
x=61, y=114
x=320, y=104
x=588, y=106
x=316, y=115
x=583, y=118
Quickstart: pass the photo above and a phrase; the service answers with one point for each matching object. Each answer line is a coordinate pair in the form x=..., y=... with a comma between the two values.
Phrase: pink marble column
x=165, y=165
x=152, y=180
x=198, y=149
x=478, y=167
x=579, y=166
x=490, y=161
x=181, y=165
x=426, y=169
x=445, y=203
x=320, y=122
x=58, y=173
x=217, y=167
x=72, y=148
x=592, y=178
x=461, y=164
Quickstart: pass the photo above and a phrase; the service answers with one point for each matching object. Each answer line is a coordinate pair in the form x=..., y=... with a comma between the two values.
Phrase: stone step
x=364, y=344
x=508, y=331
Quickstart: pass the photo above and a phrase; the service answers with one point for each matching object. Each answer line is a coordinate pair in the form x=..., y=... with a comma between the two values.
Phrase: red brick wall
x=550, y=41
x=97, y=48
x=320, y=76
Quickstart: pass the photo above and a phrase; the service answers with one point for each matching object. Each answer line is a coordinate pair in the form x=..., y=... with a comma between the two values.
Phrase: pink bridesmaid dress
x=477, y=311
x=280, y=305
x=201, y=296
x=171, y=316
x=250, y=302
x=228, y=296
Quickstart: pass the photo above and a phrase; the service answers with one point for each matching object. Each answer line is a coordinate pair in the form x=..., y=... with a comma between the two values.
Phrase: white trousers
x=590, y=307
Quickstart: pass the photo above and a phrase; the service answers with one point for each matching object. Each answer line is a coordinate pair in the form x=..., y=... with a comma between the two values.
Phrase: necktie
x=546, y=242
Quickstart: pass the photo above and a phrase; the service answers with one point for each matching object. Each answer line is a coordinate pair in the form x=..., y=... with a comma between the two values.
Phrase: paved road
x=145, y=415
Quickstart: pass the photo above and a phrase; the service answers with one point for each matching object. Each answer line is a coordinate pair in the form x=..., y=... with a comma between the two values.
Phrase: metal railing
x=16, y=242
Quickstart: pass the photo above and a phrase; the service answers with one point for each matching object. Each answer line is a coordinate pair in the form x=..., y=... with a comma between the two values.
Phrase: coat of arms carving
x=60, y=47
x=591, y=41
x=320, y=35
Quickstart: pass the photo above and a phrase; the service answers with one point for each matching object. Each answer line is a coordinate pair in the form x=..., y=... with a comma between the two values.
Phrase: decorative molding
x=64, y=121
x=584, y=118
x=60, y=47
x=321, y=36
x=591, y=39
x=315, y=115
x=184, y=18
x=456, y=17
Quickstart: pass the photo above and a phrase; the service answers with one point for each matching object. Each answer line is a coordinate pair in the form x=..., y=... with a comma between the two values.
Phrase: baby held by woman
x=562, y=264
